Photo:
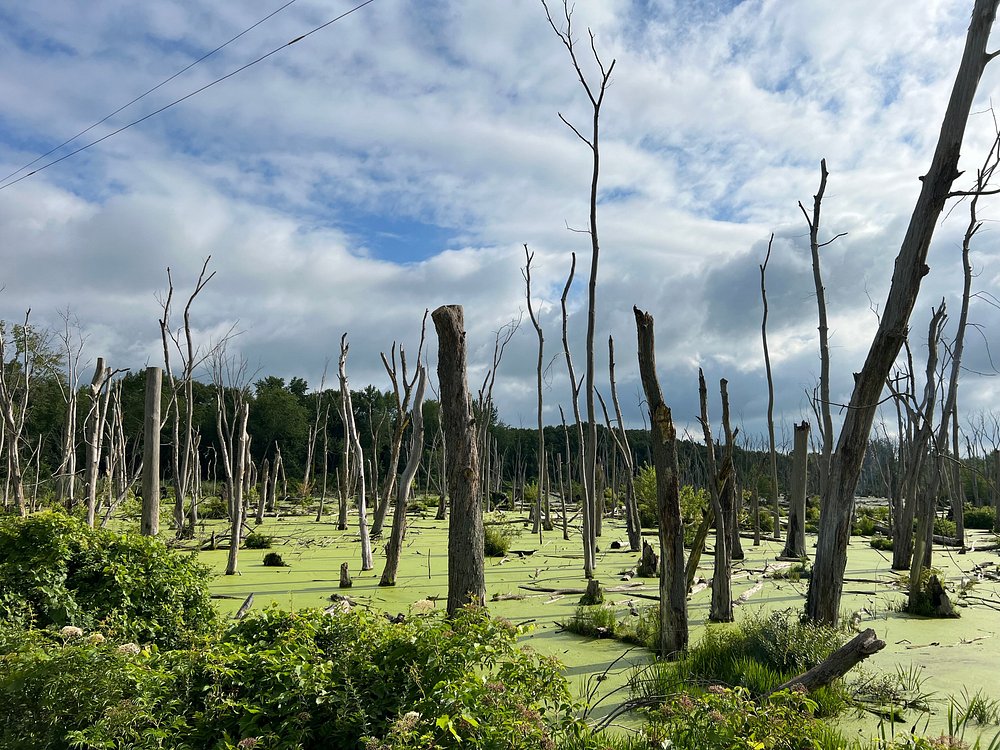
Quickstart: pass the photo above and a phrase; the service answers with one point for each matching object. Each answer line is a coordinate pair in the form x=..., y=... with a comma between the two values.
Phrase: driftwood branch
x=839, y=663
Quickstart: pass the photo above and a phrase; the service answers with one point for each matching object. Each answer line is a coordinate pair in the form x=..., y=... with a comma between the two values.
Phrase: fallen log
x=839, y=663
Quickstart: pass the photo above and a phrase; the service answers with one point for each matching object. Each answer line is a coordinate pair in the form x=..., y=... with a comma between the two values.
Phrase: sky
x=400, y=158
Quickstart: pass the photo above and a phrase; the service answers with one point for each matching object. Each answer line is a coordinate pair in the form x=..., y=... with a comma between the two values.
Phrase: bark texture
x=466, y=579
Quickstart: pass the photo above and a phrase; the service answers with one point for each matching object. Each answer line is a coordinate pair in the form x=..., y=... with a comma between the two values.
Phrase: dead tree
x=595, y=93
x=241, y=453
x=632, y=523
x=772, y=453
x=673, y=583
x=15, y=389
x=395, y=546
x=181, y=389
x=721, y=608
x=823, y=407
x=526, y=273
x=588, y=504
x=402, y=388
x=72, y=346
x=466, y=576
x=99, y=393
x=826, y=583
x=359, y=457
x=795, y=542
x=151, y=453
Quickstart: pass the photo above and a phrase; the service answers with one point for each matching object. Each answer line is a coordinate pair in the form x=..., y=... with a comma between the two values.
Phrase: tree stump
x=345, y=576
x=938, y=600
x=649, y=564
x=594, y=593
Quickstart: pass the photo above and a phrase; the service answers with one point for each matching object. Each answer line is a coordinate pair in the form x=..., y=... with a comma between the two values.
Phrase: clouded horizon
x=400, y=158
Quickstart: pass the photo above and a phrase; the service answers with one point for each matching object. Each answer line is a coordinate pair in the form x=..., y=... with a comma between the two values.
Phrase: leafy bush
x=302, y=680
x=980, y=518
x=728, y=719
x=693, y=502
x=882, y=543
x=496, y=540
x=274, y=560
x=256, y=540
x=800, y=571
x=213, y=507
x=759, y=654
x=944, y=527
x=56, y=571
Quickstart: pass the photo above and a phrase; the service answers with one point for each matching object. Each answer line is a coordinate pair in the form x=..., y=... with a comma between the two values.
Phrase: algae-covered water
x=952, y=656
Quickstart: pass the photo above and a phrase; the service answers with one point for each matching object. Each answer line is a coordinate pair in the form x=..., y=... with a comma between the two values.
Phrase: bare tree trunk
x=587, y=506
x=526, y=273
x=773, y=456
x=823, y=408
x=239, y=467
x=795, y=542
x=395, y=546
x=359, y=457
x=827, y=581
x=95, y=435
x=151, y=453
x=721, y=608
x=265, y=483
x=466, y=576
x=673, y=583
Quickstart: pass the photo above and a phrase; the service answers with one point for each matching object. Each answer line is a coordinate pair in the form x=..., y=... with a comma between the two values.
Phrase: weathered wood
x=673, y=582
x=649, y=563
x=345, y=576
x=150, y=524
x=466, y=574
x=244, y=608
x=837, y=664
x=826, y=584
x=795, y=541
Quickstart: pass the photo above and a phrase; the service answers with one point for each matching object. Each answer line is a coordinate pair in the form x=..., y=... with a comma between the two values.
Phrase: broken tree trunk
x=466, y=576
x=150, y=525
x=673, y=582
x=795, y=541
x=837, y=664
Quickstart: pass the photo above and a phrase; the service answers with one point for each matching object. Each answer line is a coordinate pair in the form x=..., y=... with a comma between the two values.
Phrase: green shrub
x=213, y=508
x=55, y=571
x=800, y=571
x=302, y=680
x=598, y=621
x=728, y=719
x=256, y=540
x=882, y=543
x=759, y=653
x=693, y=503
x=274, y=560
x=944, y=527
x=496, y=540
x=980, y=518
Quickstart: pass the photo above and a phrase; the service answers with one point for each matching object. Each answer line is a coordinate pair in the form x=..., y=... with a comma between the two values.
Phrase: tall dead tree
x=827, y=581
x=402, y=389
x=99, y=393
x=822, y=408
x=351, y=429
x=595, y=93
x=15, y=389
x=673, y=583
x=588, y=506
x=395, y=545
x=72, y=347
x=526, y=273
x=150, y=525
x=772, y=453
x=466, y=575
x=633, y=526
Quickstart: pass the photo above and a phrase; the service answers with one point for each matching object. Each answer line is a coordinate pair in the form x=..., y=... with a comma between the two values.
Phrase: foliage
x=759, y=653
x=694, y=502
x=213, y=507
x=882, y=543
x=728, y=719
x=945, y=527
x=54, y=570
x=496, y=540
x=274, y=560
x=256, y=540
x=980, y=518
x=799, y=571
x=286, y=680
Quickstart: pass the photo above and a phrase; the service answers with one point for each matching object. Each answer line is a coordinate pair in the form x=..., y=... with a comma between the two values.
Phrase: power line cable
x=187, y=96
x=148, y=92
